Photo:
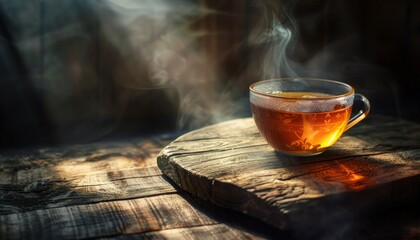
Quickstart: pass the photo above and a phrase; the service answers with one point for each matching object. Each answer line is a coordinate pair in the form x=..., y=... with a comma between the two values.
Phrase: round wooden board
x=230, y=164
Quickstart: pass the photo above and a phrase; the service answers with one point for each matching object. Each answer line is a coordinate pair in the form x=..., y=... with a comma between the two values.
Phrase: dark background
x=70, y=71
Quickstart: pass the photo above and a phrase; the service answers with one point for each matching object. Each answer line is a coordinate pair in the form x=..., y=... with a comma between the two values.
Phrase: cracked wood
x=168, y=215
x=99, y=190
x=231, y=165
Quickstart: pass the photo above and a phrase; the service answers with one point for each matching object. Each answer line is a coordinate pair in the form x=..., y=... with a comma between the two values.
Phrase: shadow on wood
x=229, y=164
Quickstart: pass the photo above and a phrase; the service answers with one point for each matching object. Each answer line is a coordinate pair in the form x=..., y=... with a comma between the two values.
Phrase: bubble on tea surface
x=276, y=92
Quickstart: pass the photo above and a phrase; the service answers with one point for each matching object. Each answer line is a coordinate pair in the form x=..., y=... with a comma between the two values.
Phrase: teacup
x=304, y=116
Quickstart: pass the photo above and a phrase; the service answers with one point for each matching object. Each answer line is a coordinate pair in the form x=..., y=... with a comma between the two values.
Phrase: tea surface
x=301, y=94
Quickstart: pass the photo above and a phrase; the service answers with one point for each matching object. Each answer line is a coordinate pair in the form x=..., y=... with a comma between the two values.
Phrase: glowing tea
x=303, y=116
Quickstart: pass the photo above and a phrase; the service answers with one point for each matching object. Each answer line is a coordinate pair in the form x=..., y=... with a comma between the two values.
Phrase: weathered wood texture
x=81, y=174
x=165, y=215
x=99, y=190
x=230, y=164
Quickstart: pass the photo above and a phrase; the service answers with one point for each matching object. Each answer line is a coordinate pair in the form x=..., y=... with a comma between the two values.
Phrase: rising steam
x=92, y=64
x=160, y=33
x=275, y=31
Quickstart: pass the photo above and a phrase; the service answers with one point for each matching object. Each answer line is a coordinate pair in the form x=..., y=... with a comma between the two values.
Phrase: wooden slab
x=165, y=216
x=80, y=174
x=231, y=165
x=107, y=190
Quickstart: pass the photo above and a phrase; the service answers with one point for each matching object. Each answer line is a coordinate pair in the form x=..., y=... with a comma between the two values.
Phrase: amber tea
x=304, y=117
x=301, y=132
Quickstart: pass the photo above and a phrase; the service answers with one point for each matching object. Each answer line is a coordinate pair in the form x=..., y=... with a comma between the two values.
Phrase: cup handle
x=362, y=113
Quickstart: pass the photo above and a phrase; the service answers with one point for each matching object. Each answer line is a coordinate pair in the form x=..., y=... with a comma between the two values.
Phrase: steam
x=275, y=32
x=154, y=45
x=160, y=33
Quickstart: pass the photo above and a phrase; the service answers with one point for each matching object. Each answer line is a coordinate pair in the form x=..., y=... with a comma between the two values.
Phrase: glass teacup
x=303, y=116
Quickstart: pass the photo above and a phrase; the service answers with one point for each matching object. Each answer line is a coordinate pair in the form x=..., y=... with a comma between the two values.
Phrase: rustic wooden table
x=116, y=190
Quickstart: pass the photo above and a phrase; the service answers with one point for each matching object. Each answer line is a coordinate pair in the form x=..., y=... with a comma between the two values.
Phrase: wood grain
x=80, y=174
x=229, y=164
x=110, y=190
x=168, y=212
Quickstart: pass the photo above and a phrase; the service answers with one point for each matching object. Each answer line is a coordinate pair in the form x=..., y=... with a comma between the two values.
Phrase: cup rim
x=350, y=92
